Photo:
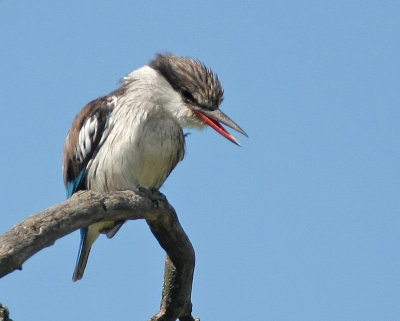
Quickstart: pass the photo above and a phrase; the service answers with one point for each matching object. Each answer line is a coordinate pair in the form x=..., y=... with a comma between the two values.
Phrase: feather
x=73, y=186
x=83, y=139
x=81, y=145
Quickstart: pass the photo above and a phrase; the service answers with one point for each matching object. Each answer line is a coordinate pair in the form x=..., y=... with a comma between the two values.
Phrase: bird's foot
x=154, y=194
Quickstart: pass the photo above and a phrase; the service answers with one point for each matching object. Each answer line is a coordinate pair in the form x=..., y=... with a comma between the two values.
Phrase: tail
x=88, y=236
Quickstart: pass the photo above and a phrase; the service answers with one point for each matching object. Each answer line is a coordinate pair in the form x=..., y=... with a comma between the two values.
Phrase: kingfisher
x=133, y=137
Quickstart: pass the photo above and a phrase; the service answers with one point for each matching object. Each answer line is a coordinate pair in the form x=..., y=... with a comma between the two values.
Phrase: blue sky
x=300, y=223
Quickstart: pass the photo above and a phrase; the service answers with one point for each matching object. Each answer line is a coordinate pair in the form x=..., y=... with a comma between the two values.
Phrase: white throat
x=154, y=88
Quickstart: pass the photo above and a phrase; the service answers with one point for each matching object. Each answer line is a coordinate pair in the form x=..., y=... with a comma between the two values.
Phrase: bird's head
x=200, y=91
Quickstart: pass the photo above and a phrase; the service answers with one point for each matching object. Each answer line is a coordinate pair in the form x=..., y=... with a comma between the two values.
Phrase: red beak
x=214, y=118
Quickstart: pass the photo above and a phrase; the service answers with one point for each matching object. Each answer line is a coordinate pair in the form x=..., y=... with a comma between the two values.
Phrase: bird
x=133, y=137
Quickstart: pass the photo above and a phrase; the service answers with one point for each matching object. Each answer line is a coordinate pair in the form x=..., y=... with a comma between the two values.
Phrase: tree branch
x=4, y=313
x=87, y=207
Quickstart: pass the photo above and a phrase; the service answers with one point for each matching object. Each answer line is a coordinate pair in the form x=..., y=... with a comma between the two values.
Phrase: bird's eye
x=188, y=96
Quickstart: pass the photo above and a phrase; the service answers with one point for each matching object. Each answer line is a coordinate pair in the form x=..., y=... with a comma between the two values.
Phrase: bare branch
x=88, y=207
x=4, y=315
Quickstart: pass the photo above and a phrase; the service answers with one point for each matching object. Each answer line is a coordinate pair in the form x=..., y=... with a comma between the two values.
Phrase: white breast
x=142, y=143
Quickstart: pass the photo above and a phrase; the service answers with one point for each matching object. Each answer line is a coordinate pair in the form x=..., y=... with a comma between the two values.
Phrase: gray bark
x=87, y=207
x=4, y=315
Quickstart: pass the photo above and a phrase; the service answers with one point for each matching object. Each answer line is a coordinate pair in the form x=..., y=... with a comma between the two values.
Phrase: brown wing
x=83, y=140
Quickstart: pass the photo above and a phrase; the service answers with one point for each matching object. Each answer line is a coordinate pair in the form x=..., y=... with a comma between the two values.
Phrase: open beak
x=214, y=118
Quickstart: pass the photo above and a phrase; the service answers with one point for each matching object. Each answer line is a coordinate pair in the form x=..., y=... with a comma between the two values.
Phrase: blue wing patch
x=73, y=185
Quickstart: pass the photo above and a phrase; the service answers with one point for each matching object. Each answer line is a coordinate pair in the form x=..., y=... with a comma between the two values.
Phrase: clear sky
x=300, y=223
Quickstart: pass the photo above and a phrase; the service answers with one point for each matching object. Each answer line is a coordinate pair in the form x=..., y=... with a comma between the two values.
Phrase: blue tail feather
x=84, y=232
x=83, y=254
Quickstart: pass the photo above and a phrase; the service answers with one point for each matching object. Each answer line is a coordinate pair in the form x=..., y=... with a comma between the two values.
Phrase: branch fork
x=87, y=207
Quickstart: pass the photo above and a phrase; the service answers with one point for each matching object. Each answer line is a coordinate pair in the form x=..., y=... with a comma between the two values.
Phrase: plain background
x=300, y=223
